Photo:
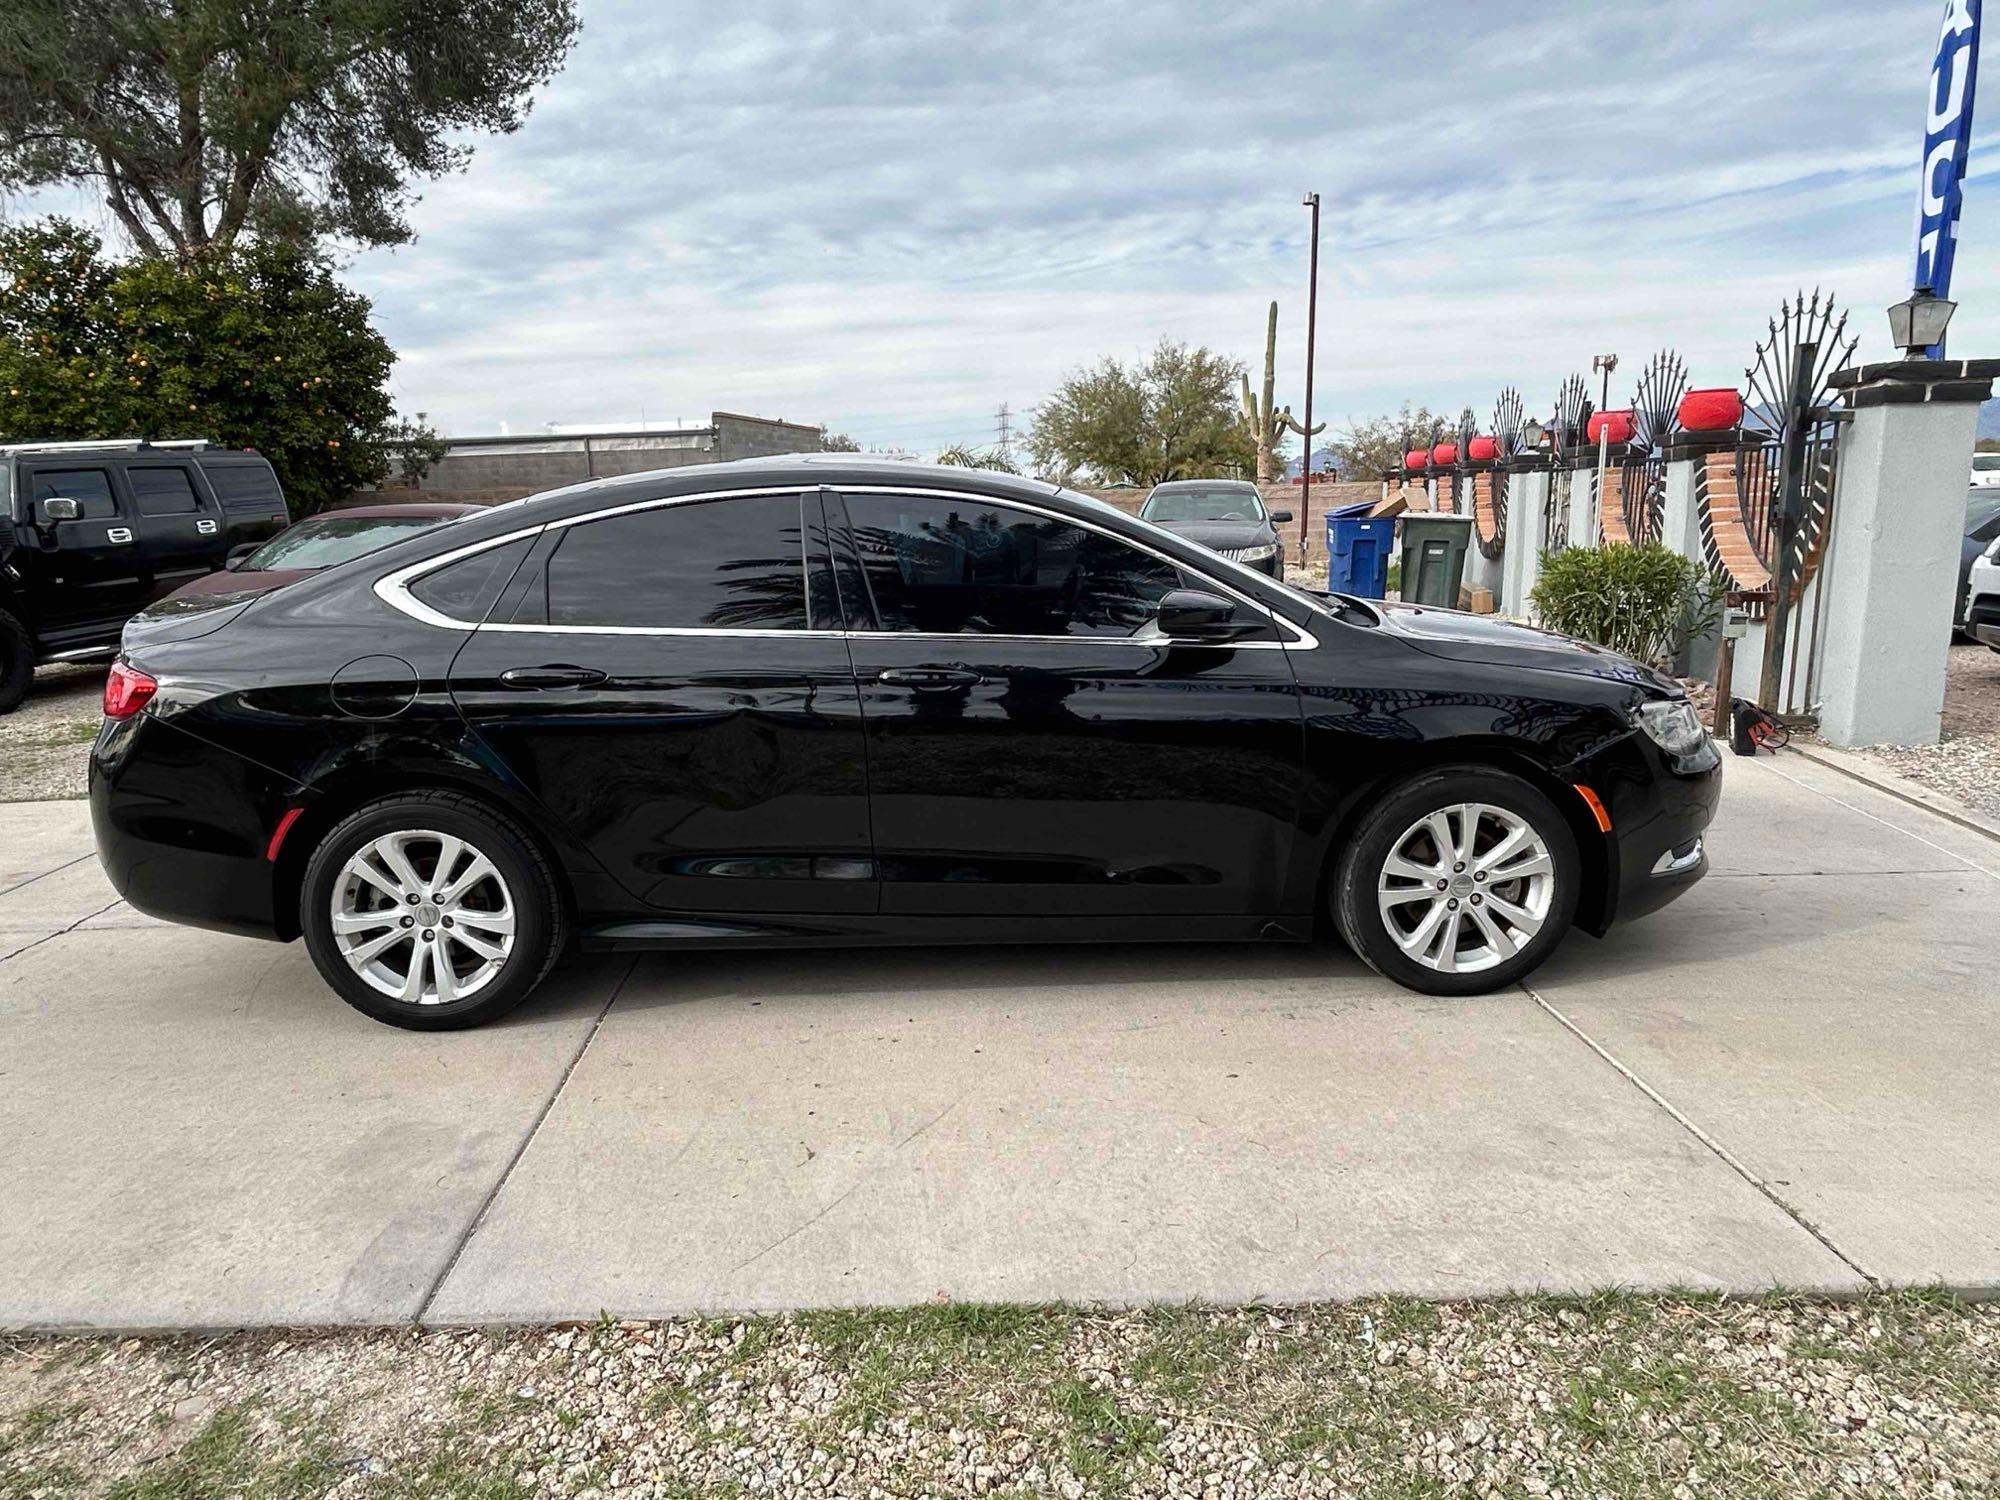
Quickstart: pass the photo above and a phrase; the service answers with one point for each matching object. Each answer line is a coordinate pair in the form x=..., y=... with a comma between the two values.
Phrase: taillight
x=126, y=691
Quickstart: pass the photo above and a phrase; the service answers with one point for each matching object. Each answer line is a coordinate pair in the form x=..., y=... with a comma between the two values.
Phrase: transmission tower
x=1005, y=417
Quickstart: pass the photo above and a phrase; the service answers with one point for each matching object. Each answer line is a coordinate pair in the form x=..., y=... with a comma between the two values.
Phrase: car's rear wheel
x=431, y=911
x=1459, y=882
x=17, y=662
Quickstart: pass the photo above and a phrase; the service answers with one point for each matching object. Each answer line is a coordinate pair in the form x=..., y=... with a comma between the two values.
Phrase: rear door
x=90, y=576
x=677, y=693
x=180, y=526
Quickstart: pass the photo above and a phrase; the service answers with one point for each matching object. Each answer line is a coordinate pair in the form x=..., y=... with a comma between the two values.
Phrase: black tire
x=540, y=923
x=17, y=662
x=1356, y=909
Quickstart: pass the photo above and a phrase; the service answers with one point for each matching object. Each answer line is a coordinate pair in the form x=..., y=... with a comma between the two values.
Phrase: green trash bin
x=1434, y=548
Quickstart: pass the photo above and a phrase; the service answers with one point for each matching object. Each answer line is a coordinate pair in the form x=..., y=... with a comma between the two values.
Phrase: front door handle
x=928, y=679
x=552, y=675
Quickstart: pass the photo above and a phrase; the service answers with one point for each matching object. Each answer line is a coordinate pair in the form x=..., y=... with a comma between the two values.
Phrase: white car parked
x=1986, y=471
x=1982, y=597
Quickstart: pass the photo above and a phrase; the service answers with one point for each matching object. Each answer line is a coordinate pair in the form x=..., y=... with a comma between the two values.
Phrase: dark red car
x=319, y=542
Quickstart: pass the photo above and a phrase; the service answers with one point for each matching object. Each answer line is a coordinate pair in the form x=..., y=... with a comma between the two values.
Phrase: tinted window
x=90, y=488
x=326, y=540
x=249, y=485
x=466, y=590
x=974, y=565
x=714, y=564
x=162, y=492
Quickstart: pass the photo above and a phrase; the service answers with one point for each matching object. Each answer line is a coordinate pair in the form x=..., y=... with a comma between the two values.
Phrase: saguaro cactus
x=1265, y=426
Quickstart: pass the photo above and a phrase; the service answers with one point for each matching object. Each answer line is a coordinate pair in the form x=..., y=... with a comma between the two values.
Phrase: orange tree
x=258, y=346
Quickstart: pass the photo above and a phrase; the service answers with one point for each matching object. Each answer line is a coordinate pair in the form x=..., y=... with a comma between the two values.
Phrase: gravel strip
x=1965, y=763
x=1620, y=1396
x=45, y=743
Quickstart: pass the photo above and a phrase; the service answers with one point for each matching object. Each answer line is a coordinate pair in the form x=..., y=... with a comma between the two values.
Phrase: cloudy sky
x=892, y=218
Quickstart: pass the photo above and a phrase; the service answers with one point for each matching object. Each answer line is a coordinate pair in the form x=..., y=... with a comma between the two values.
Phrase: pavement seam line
x=1877, y=818
x=22, y=885
x=1722, y=1153
x=528, y=1139
x=49, y=937
x=1968, y=820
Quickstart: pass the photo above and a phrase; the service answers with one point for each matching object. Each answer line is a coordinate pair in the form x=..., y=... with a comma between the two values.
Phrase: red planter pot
x=1482, y=450
x=1444, y=455
x=1716, y=409
x=1612, y=426
x=1416, y=458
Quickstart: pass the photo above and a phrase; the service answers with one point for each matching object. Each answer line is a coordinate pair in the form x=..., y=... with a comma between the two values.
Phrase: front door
x=670, y=692
x=88, y=576
x=1035, y=748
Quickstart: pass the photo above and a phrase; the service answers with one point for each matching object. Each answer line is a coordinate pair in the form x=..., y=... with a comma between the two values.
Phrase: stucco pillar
x=1680, y=529
x=1527, y=493
x=1583, y=501
x=1891, y=568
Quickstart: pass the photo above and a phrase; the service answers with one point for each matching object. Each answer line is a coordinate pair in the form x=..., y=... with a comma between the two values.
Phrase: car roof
x=433, y=512
x=835, y=470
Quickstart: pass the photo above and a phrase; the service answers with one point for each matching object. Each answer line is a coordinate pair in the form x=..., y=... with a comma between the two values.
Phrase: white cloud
x=893, y=219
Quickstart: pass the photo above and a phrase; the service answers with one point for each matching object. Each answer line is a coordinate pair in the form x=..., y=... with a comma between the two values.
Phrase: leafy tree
x=1365, y=449
x=958, y=456
x=260, y=347
x=1172, y=417
x=294, y=119
x=837, y=442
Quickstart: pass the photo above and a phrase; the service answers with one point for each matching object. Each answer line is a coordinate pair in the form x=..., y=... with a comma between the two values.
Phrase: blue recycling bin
x=1357, y=550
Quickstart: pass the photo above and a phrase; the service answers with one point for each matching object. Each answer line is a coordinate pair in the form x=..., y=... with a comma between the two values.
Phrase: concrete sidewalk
x=1779, y=1081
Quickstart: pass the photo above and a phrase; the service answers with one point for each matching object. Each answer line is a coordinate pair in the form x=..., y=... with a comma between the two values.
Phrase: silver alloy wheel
x=1466, y=887
x=423, y=916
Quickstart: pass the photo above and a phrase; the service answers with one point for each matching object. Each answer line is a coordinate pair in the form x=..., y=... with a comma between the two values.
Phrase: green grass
x=1612, y=1394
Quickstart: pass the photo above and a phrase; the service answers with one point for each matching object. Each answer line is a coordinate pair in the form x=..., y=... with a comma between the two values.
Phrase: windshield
x=1224, y=502
x=326, y=540
x=1985, y=463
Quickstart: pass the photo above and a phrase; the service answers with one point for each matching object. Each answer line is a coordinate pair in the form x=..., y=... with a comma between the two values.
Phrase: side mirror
x=1278, y=517
x=237, y=554
x=59, y=508
x=1196, y=615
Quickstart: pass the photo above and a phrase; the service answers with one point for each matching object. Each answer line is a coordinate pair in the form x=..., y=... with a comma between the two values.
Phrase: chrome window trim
x=393, y=588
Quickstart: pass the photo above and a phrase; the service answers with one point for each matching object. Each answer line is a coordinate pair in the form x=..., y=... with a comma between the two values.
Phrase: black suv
x=91, y=533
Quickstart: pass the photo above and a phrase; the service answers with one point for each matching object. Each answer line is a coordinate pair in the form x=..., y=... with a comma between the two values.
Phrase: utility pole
x=1312, y=321
x=1006, y=444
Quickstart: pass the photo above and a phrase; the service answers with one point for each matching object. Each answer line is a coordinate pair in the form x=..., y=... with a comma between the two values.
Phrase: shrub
x=1645, y=601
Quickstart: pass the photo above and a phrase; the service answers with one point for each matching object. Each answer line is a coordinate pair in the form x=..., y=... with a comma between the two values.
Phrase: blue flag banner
x=1947, y=140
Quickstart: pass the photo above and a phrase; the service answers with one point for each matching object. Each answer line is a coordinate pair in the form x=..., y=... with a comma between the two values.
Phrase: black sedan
x=1223, y=515
x=790, y=702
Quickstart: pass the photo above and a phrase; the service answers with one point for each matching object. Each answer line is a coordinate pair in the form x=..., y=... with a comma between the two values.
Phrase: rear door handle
x=553, y=675
x=925, y=679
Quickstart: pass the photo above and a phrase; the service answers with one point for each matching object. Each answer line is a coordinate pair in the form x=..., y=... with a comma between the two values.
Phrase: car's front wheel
x=1459, y=882
x=431, y=911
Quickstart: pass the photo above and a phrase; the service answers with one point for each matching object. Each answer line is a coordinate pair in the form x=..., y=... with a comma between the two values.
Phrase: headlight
x=1255, y=554
x=1671, y=723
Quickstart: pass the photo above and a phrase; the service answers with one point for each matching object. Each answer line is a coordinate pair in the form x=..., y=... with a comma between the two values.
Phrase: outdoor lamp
x=1919, y=322
x=1532, y=434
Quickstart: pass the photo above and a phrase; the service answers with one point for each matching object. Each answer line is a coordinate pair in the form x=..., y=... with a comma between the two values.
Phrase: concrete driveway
x=1784, y=1080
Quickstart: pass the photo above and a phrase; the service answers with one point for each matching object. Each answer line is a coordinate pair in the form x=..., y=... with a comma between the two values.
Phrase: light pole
x=1311, y=201
x=1607, y=363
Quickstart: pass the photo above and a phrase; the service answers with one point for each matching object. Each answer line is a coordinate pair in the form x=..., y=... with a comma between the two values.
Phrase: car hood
x=1458, y=636
x=1220, y=534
